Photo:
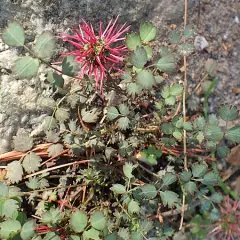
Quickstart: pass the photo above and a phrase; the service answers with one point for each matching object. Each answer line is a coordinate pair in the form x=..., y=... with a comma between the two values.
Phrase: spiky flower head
x=228, y=227
x=98, y=53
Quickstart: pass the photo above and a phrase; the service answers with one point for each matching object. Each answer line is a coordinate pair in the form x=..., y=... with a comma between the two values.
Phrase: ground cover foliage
x=110, y=163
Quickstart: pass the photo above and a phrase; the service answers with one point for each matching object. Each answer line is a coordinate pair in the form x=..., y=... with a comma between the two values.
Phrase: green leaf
x=163, y=51
x=168, y=179
x=215, y=214
x=165, y=92
x=199, y=123
x=176, y=89
x=98, y=220
x=133, y=89
x=159, y=79
x=189, y=31
x=112, y=113
x=69, y=66
x=199, y=170
x=62, y=114
x=177, y=135
x=167, y=128
x=118, y=189
x=136, y=236
x=139, y=58
x=91, y=234
x=200, y=137
x=133, y=207
x=22, y=142
x=149, y=51
x=188, y=126
x=124, y=109
x=26, y=67
x=14, y=172
x=212, y=119
x=128, y=168
x=45, y=45
x=28, y=230
x=217, y=197
x=54, y=149
x=112, y=236
x=51, y=236
x=74, y=237
x=9, y=228
x=170, y=100
x=78, y=221
x=228, y=113
x=33, y=183
x=146, y=79
x=133, y=41
x=206, y=85
x=190, y=187
x=149, y=191
x=13, y=35
x=10, y=208
x=186, y=48
x=53, y=216
x=169, y=198
x=31, y=162
x=233, y=134
x=90, y=116
x=174, y=37
x=185, y=176
x=3, y=190
x=123, y=123
x=213, y=133
x=147, y=32
x=211, y=146
x=166, y=63
x=210, y=178
x=223, y=151
x=55, y=79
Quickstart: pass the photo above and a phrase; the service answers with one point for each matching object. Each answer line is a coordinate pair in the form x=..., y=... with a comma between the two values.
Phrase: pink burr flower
x=98, y=53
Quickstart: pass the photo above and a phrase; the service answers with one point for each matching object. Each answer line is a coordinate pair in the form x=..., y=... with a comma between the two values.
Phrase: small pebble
x=200, y=43
x=236, y=19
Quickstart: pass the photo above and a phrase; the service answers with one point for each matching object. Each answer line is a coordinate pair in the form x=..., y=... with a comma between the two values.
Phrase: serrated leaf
x=26, y=67
x=149, y=51
x=169, y=198
x=124, y=109
x=215, y=214
x=185, y=176
x=167, y=128
x=51, y=236
x=49, y=123
x=187, y=126
x=223, y=151
x=123, y=123
x=128, y=168
x=213, y=133
x=211, y=146
x=55, y=79
x=139, y=58
x=170, y=100
x=31, y=162
x=14, y=172
x=52, y=136
x=22, y=142
x=186, y=48
x=98, y=220
x=118, y=189
x=165, y=92
x=146, y=79
x=199, y=170
x=133, y=41
x=176, y=89
x=70, y=66
x=136, y=236
x=190, y=187
x=45, y=45
x=28, y=230
x=112, y=113
x=10, y=208
x=147, y=32
x=62, y=114
x=211, y=67
x=168, y=179
x=177, y=135
x=174, y=37
x=13, y=34
x=55, y=149
x=33, y=183
x=217, y=197
x=53, y=216
x=133, y=89
x=233, y=134
x=166, y=63
x=133, y=207
x=200, y=137
x=189, y=30
x=228, y=113
x=90, y=116
x=212, y=119
x=163, y=51
x=159, y=79
x=210, y=178
x=199, y=123
x=9, y=228
x=3, y=190
x=91, y=234
x=149, y=191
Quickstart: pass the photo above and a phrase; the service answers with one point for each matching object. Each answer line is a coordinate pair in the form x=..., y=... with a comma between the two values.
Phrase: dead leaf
x=211, y=67
x=233, y=157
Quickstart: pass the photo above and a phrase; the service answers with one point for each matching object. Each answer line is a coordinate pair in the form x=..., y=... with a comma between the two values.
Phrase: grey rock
x=200, y=43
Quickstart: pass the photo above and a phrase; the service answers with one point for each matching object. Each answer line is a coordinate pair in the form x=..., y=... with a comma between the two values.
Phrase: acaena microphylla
x=228, y=225
x=98, y=53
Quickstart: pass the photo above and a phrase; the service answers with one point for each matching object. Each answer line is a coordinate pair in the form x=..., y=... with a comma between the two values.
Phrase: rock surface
x=215, y=20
